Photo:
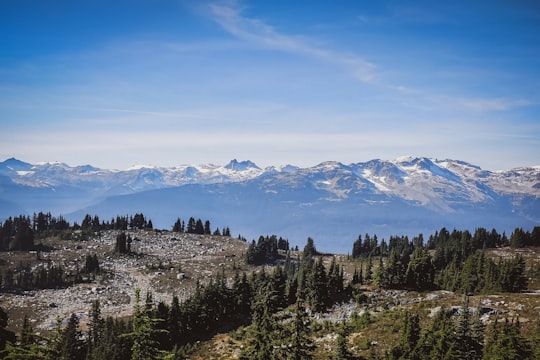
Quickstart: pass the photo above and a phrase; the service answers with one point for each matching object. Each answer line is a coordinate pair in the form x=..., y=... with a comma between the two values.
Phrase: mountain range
x=330, y=202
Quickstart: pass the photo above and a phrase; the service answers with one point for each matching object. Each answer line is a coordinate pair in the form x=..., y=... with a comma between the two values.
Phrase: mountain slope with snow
x=331, y=200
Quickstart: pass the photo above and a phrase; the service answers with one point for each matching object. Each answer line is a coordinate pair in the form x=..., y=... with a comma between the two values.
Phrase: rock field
x=166, y=264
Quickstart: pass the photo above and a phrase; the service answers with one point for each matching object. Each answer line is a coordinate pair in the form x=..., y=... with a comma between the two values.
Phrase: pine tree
x=507, y=343
x=53, y=350
x=96, y=327
x=317, y=291
x=302, y=345
x=174, y=319
x=439, y=341
x=381, y=277
x=369, y=271
x=408, y=340
x=143, y=335
x=420, y=271
x=72, y=345
x=260, y=344
x=342, y=350
x=309, y=249
x=470, y=343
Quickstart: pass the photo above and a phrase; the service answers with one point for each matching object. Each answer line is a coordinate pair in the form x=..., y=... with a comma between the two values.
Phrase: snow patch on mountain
x=408, y=192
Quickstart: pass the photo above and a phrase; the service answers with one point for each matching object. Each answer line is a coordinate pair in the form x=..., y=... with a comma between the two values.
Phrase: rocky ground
x=167, y=264
x=163, y=263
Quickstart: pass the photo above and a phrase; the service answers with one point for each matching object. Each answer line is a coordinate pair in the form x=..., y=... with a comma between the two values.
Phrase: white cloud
x=494, y=104
x=229, y=16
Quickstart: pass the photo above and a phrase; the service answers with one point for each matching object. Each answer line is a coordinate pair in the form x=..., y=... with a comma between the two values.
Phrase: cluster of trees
x=123, y=243
x=25, y=278
x=479, y=274
x=458, y=262
x=19, y=233
x=463, y=338
x=137, y=221
x=46, y=276
x=457, y=242
x=265, y=250
x=196, y=226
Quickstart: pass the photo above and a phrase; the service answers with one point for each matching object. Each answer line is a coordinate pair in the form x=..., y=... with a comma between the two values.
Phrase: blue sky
x=117, y=83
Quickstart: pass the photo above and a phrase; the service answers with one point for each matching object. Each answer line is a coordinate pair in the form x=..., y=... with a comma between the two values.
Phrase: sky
x=163, y=82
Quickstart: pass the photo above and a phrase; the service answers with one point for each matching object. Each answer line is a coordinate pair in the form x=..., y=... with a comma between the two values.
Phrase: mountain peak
x=241, y=165
x=13, y=164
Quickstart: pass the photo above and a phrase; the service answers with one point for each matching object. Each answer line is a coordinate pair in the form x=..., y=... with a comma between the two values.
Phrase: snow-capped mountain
x=331, y=200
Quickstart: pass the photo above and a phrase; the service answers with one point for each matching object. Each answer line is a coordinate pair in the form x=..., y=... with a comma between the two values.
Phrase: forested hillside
x=453, y=294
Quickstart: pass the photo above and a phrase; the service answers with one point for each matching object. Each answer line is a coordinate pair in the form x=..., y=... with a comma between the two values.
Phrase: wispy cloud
x=495, y=104
x=478, y=104
x=230, y=16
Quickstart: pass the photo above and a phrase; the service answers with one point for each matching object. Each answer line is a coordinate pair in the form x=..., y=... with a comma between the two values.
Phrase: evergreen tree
x=53, y=350
x=439, y=341
x=369, y=271
x=96, y=328
x=302, y=345
x=470, y=343
x=6, y=336
x=381, y=277
x=174, y=319
x=144, y=330
x=71, y=343
x=409, y=337
x=260, y=344
x=178, y=226
x=420, y=271
x=121, y=243
x=507, y=343
x=309, y=248
x=317, y=291
x=335, y=282
x=342, y=350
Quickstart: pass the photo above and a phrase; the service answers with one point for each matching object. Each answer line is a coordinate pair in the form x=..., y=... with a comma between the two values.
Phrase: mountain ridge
x=417, y=193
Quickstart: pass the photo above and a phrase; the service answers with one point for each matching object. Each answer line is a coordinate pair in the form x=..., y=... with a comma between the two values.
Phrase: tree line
x=453, y=261
x=20, y=233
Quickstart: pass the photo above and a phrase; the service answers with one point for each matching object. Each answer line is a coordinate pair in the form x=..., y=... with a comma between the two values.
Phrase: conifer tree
x=470, y=343
x=369, y=271
x=72, y=345
x=53, y=350
x=96, y=327
x=342, y=350
x=408, y=340
x=420, y=271
x=505, y=342
x=260, y=344
x=309, y=249
x=302, y=345
x=174, y=322
x=439, y=341
x=317, y=291
x=143, y=335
